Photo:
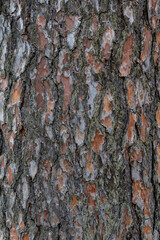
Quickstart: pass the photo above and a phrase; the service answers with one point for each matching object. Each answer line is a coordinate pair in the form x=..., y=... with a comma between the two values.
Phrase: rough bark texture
x=80, y=119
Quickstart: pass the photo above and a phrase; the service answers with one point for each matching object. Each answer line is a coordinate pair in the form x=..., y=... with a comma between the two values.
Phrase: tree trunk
x=80, y=119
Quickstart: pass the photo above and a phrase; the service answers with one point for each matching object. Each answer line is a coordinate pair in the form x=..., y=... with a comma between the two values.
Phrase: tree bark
x=79, y=119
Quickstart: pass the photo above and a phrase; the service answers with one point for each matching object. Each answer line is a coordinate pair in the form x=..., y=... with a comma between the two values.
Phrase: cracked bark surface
x=79, y=119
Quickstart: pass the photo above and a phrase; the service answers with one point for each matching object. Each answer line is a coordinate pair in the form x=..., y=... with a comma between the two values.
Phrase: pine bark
x=79, y=120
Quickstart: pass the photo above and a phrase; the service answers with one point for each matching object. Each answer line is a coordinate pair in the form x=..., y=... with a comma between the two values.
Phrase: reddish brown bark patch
x=40, y=101
x=62, y=181
x=126, y=59
x=48, y=166
x=16, y=93
x=107, y=122
x=131, y=125
x=130, y=95
x=89, y=166
x=42, y=72
x=98, y=141
x=147, y=42
x=156, y=56
x=41, y=20
x=136, y=155
x=91, y=189
x=91, y=202
x=158, y=116
x=91, y=60
x=106, y=119
x=13, y=233
x=144, y=127
x=107, y=105
x=69, y=20
x=126, y=222
x=95, y=22
x=10, y=175
x=3, y=162
x=22, y=225
x=153, y=3
x=87, y=43
x=26, y=237
x=42, y=40
x=66, y=166
x=10, y=138
x=141, y=195
x=50, y=103
x=147, y=232
x=74, y=202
